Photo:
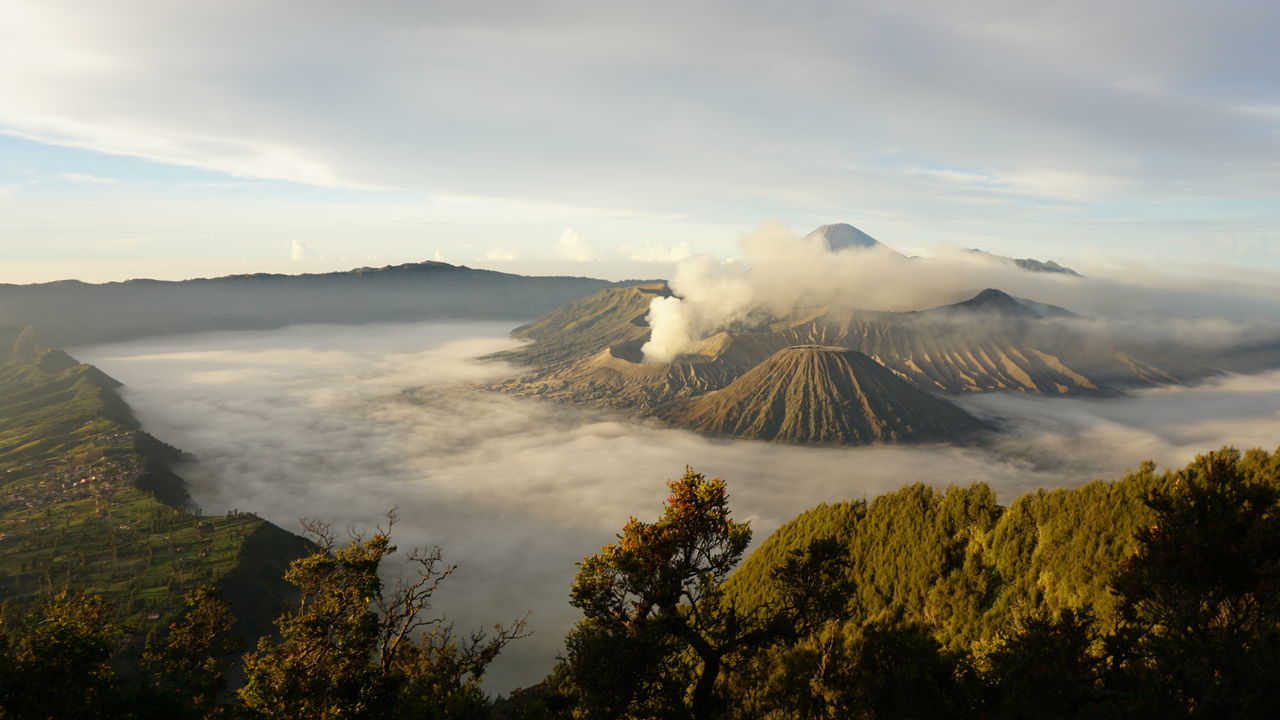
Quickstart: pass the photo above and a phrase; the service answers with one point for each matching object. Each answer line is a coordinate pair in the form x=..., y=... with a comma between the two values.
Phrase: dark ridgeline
x=72, y=313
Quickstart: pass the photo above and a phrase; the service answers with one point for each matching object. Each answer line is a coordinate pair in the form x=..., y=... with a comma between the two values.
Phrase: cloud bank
x=345, y=422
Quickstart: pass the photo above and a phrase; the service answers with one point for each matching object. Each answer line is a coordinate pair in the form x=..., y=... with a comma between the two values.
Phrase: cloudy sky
x=178, y=139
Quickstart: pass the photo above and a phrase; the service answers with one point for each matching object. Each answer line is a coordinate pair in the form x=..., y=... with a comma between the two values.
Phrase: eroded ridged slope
x=821, y=395
x=589, y=352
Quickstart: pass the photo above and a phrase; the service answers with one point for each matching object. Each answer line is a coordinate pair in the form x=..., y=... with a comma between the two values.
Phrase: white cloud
x=500, y=255
x=573, y=247
x=955, y=177
x=655, y=253
x=520, y=102
x=86, y=178
x=1062, y=184
x=1052, y=183
x=1266, y=111
x=455, y=208
x=8, y=192
x=299, y=252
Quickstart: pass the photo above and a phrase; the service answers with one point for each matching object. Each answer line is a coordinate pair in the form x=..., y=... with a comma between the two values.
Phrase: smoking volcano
x=836, y=338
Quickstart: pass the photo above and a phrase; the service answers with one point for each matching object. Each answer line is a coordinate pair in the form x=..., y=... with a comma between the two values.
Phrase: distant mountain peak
x=1030, y=264
x=992, y=300
x=842, y=236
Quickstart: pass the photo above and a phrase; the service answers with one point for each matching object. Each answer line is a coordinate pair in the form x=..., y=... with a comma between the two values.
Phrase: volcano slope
x=589, y=352
x=821, y=395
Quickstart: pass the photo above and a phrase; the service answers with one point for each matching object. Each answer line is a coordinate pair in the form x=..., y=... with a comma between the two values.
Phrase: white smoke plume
x=784, y=275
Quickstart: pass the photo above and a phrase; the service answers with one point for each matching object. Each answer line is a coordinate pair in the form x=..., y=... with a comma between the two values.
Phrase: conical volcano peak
x=814, y=348
x=814, y=394
x=994, y=298
x=1000, y=302
x=841, y=236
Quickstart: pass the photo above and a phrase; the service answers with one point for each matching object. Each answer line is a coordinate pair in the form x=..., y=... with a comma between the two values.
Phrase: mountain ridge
x=71, y=313
x=88, y=500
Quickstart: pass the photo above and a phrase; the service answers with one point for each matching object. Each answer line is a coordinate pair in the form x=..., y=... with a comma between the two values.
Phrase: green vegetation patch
x=73, y=511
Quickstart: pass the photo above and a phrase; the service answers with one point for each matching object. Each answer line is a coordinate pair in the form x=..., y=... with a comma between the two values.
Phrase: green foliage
x=185, y=668
x=1200, y=599
x=57, y=663
x=659, y=627
x=1156, y=595
x=80, y=501
x=915, y=551
x=1055, y=550
x=657, y=593
x=1043, y=667
x=322, y=666
x=345, y=652
x=348, y=650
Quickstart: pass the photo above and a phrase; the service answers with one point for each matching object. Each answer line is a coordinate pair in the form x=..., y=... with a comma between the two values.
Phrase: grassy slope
x=73, y=511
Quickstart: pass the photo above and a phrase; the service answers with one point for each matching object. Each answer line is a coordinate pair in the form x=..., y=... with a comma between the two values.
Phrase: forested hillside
x=87, y=501
x=965, y=565
x=1156, y=595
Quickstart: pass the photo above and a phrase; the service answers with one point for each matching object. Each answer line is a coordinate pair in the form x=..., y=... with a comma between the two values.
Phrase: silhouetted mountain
x=76, y=313
x=1031, y=264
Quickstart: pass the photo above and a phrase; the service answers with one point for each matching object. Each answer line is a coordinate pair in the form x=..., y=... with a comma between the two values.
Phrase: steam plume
x=784, y=274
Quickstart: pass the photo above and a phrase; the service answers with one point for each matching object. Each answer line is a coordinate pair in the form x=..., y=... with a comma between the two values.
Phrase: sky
x=161, y=139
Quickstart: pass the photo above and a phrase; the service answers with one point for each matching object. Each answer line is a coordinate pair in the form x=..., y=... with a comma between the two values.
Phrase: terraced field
x=87, y=500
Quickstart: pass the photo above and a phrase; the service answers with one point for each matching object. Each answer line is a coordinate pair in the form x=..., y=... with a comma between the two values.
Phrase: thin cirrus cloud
x=730, y=112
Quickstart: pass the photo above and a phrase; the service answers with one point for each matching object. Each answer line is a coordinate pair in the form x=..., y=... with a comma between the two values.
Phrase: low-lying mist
x=343, y=423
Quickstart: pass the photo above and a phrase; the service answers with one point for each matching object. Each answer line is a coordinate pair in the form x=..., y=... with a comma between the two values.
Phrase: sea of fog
x=343, y=423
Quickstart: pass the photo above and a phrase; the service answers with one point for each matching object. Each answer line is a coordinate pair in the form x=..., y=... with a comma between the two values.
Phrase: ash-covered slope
x=820, y=395
x=589, y=352
x=604, y=318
